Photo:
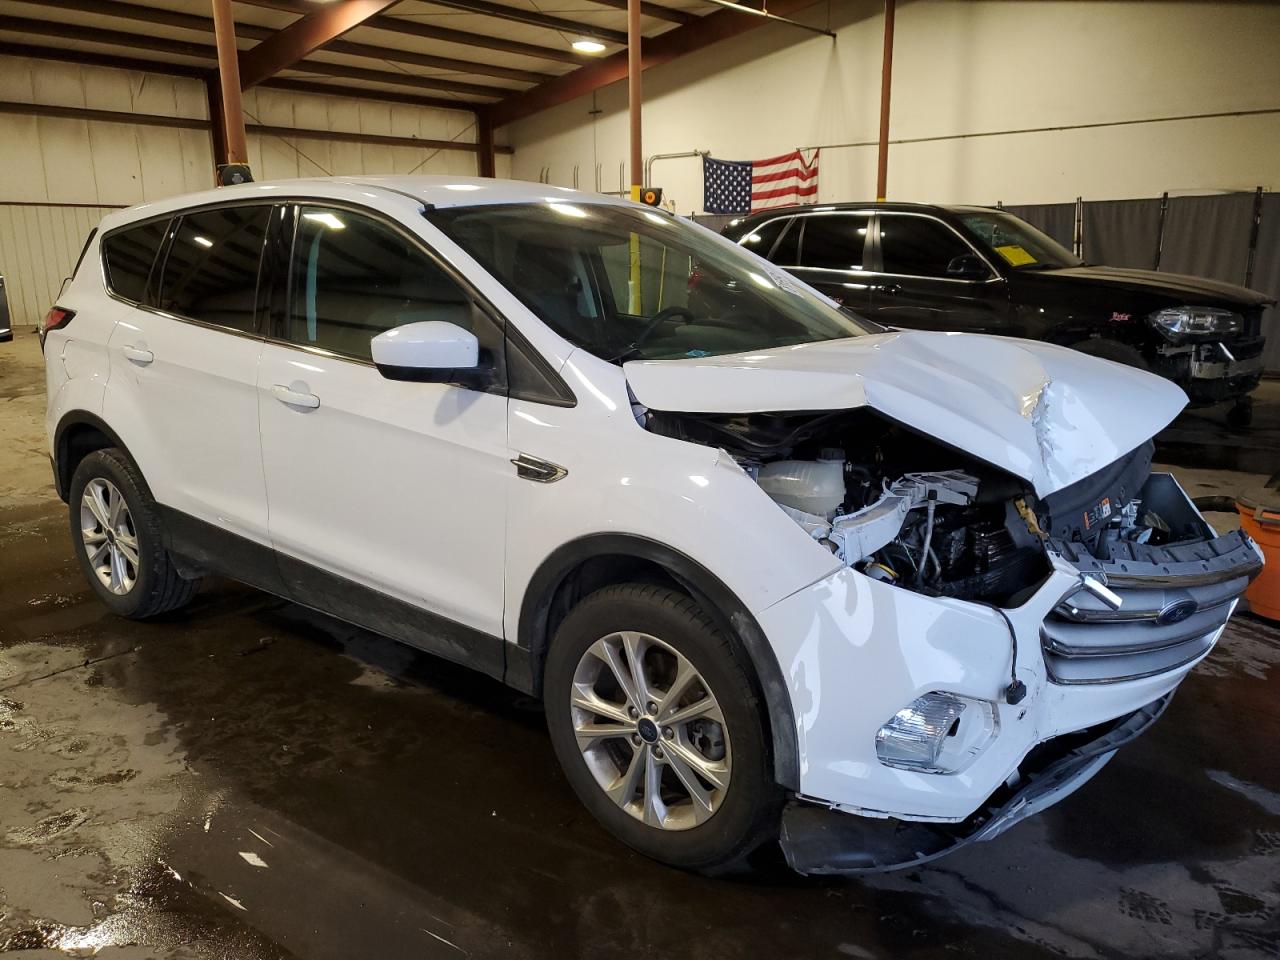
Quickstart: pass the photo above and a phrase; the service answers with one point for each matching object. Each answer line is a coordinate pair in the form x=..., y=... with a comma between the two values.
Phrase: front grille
x=1175, y=599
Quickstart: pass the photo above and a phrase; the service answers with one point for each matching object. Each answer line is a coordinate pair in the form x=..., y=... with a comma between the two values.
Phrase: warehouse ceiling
x=464, y=53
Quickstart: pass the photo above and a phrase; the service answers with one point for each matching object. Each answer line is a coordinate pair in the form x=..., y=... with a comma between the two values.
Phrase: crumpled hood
x=1044, y=413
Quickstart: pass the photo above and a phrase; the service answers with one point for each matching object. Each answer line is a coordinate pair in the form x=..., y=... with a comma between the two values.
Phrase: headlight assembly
x=1178, y=322
x=936, y=733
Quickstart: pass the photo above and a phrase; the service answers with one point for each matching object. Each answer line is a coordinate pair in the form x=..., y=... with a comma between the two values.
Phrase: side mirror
x=968, y=266
x=428, y=351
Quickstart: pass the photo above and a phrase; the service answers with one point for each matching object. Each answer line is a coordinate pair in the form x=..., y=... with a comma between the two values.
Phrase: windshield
x=629, y=284
x=1017, y=242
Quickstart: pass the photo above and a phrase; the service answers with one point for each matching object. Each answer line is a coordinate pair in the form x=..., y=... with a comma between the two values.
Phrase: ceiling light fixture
x=588, y=46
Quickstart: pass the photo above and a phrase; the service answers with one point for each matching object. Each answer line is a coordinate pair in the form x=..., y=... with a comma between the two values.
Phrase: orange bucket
x=1263, y=524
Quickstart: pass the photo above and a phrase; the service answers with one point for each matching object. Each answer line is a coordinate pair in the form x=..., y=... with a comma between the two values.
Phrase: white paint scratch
x=260, y=837
x=252, y=859
x=233, y=901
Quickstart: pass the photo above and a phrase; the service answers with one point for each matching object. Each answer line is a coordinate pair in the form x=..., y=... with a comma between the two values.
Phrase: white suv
x=775, y=572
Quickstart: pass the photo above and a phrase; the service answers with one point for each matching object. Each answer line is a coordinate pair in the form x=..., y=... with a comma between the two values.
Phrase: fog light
x=936, y=733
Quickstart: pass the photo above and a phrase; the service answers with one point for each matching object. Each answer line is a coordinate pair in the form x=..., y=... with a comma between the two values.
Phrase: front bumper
x=1216, y=371
x=856, y=650
x=818, y=840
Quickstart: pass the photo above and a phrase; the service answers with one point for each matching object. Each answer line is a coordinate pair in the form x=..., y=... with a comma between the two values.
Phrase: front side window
x=1017, y=242
x=835, y=241
x=636, y=284
x=211, y=271
x=128, y=256
x=918, y=246
x=354, y=277
x=764, y=238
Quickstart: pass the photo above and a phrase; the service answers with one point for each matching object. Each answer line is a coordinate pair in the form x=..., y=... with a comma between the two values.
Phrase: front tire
x=1114, y=351
x=659, y=729
x=117, y=534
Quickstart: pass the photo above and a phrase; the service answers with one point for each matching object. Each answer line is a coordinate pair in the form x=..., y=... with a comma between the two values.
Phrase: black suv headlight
x=1179, y=322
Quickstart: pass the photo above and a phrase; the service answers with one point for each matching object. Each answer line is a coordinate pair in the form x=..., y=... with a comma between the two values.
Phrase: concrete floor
x=247, y=779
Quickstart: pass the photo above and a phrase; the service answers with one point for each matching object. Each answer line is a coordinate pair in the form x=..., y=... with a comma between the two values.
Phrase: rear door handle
x=295, y=398
x=138, y=354
x=889, y=288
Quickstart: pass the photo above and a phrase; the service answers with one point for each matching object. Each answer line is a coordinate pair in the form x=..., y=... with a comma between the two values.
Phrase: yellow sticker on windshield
x=1016, y=256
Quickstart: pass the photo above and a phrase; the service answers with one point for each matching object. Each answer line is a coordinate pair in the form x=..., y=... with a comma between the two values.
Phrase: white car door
x=184, y=364
x=383, y=490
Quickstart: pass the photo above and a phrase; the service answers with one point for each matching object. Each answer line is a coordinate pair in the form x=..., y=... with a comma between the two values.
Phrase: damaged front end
x=1115, y=580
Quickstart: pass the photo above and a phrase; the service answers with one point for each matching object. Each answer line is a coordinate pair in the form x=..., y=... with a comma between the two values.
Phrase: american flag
x=743, y=186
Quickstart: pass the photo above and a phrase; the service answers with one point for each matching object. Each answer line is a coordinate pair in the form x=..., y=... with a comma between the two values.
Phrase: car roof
x=433, y=190
x=754, y=218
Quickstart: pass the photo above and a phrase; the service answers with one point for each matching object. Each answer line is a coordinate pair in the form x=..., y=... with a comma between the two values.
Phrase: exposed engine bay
x=906, y=509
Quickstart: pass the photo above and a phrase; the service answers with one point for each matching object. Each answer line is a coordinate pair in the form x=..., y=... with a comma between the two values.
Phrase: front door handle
x=889, y=288
x=138, y=354
x=295, y=398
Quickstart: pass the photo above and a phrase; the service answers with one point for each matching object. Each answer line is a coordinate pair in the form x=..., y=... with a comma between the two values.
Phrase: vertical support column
x=1164, y=211
x=1254, y=229
x=637, y=153
x=486, y=160
x=886, y=82
x=217, y=124
x=224, y=29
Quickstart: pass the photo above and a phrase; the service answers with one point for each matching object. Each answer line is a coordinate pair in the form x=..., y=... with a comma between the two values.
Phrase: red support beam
x=710, y=29
x=229, y=104
x=886, y=83
x=305, y=36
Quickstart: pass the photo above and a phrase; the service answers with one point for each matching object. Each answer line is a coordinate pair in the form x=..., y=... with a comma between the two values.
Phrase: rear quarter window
x=128, y=256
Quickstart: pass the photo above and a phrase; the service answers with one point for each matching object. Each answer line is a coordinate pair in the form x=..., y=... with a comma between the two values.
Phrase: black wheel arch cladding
x=719, y=602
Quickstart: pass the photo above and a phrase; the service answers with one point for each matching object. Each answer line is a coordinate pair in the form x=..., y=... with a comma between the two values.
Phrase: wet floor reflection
x=249, y=779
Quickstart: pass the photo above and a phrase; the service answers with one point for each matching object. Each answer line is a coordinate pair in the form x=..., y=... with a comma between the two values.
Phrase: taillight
x=55, y=319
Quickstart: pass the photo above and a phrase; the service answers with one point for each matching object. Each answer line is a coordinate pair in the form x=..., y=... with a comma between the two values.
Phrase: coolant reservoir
x=814, y=486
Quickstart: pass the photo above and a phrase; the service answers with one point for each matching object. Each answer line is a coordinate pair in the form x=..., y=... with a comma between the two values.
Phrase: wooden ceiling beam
x=309, y=33
x=663, y=48
x=500, y=11
x=201, y=51
x=657, y=11
x=425, y=31
x=118, y=9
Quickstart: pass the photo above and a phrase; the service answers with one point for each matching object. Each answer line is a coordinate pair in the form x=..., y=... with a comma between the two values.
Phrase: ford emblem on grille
x=1177, y=611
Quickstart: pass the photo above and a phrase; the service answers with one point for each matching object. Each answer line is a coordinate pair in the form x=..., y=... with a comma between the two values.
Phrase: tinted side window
x=918, y=246
x=353, y=278
x=762, y=239
x=211, y=272
x=787, y=251
x=834, y=241
x=129, y=254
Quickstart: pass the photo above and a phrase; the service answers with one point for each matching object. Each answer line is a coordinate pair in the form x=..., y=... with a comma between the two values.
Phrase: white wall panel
x=38, y=247
x=959, y=69
x=54, y=162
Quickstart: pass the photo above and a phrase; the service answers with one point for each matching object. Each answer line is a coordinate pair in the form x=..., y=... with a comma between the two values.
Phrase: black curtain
x=1209, y=237
x=1121, y=233
x=1058, y=220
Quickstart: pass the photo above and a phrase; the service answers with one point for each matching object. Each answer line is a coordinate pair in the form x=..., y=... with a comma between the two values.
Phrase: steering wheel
x=658, y=319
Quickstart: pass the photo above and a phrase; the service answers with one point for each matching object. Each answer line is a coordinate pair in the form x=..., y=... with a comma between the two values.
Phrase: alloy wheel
x=650, y=730
x=110, y=539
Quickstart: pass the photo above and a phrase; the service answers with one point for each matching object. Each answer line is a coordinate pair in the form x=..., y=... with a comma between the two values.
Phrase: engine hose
x=930, y=506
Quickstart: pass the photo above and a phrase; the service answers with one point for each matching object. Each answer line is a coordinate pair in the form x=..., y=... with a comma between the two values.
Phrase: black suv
x=980, y=270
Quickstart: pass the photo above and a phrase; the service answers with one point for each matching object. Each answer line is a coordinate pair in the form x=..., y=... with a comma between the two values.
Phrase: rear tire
x=118, y=537
x=680, y=773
